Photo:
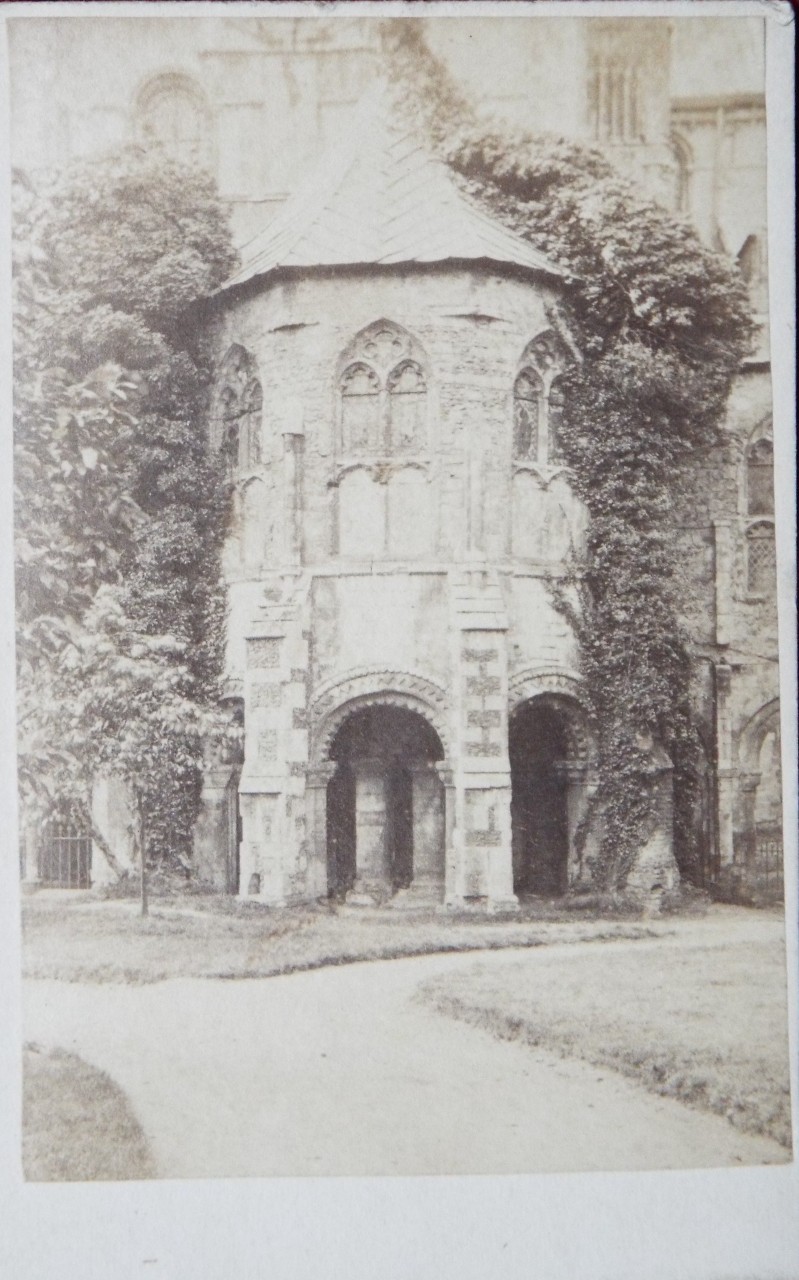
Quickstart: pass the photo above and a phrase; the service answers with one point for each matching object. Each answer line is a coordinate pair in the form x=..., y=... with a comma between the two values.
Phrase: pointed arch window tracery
x=383, y=394
x=539, y=403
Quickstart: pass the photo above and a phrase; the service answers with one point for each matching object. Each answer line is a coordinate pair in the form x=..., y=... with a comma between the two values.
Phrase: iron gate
x=766, y=868
x=65, y=855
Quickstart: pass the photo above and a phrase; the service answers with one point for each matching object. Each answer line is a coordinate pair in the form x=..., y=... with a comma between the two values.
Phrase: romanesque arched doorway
x=385, y=807
x=549, y=774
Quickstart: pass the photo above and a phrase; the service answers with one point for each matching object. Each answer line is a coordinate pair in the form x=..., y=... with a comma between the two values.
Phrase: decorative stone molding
x=563, y=689
x=547, y=354
x=546, y=474
x=335, y=700
x=530, y=682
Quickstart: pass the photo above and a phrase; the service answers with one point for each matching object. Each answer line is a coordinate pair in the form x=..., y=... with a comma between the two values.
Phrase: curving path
x=340, y=1071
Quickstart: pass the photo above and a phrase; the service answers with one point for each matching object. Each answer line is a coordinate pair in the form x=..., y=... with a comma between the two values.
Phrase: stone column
x=749, y=783
x=316, y=782
x=372, y=870
x=211, y=831
x=724, y=770
x=428, y=833
x=293, y=441
x=580, y=786
x=478, y=633
x=453, y=887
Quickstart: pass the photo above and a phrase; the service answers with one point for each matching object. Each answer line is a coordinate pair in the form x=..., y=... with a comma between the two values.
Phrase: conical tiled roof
x=379, y=198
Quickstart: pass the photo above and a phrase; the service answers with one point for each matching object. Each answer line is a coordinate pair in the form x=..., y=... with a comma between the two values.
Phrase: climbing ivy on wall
x=662, y=323
x=116, y=492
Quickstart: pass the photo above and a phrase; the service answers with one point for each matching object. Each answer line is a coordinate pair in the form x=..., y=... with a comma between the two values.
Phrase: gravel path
x=340, y=1071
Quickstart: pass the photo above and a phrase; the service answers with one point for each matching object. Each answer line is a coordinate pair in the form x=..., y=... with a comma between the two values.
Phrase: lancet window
x=171, y=113
x=527, y=396
x=760, y=478
x=239, y=412
x=539, y=403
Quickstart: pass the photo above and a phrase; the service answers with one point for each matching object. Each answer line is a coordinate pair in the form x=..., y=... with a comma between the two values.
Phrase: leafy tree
x=114, y=482
x=661, y=323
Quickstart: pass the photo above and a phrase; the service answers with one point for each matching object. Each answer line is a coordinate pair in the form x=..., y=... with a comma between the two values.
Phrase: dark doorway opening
x=538, y=749
x=393, y=743
x=234, y=834
x=341, y=831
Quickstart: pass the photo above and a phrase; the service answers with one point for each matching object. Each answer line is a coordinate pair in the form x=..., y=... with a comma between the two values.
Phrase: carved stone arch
x=382, y=345
x=336, y=700
x=561, y=690
x=755, y=730
x=547, y=355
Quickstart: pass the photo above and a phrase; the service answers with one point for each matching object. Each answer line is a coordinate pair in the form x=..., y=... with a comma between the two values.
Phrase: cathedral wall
x=393, y=622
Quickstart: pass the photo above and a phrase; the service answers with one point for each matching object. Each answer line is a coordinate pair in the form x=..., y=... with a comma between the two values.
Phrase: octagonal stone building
x=388, y=404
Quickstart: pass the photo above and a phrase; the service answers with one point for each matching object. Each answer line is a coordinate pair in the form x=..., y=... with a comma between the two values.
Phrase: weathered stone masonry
x=399, y=506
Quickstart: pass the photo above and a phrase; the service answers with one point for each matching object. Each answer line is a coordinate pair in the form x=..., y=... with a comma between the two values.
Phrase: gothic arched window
x=539, y=402
x=383, y=394
x=761, y=559
x=239, y=411
x=360, y=409
x=407, y=404
x=171, y=113
x=760, y=478
x=527, y=396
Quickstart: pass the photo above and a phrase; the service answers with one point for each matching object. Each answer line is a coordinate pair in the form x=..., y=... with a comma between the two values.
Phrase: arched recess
x=361, y=506
x=761, y=777
x=257, y=521
x=550, y=751
x=758, y=478
x=335, y=700
x=410, y=516
x=172, y=113
x=380, y=752
x=683, y=173
x=237, y=417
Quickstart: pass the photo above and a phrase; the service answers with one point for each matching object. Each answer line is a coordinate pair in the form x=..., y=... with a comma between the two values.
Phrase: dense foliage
x=117, y=500
x=661, y=323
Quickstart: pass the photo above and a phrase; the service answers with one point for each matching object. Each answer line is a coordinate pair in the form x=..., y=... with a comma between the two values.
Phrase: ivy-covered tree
x=662, y=323
x=114, y=483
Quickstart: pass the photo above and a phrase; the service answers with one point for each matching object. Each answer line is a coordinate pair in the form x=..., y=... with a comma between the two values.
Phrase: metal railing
x=64, y=855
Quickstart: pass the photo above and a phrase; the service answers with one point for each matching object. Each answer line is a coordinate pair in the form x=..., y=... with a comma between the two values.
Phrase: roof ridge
x=378, y=195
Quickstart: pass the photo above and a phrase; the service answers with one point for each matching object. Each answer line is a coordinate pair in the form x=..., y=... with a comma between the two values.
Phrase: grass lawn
x=77, y=1125
x=701, y=1021
x=78, y=938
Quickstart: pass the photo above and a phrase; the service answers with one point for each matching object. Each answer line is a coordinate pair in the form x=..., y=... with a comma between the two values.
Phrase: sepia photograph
x=399, y=745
